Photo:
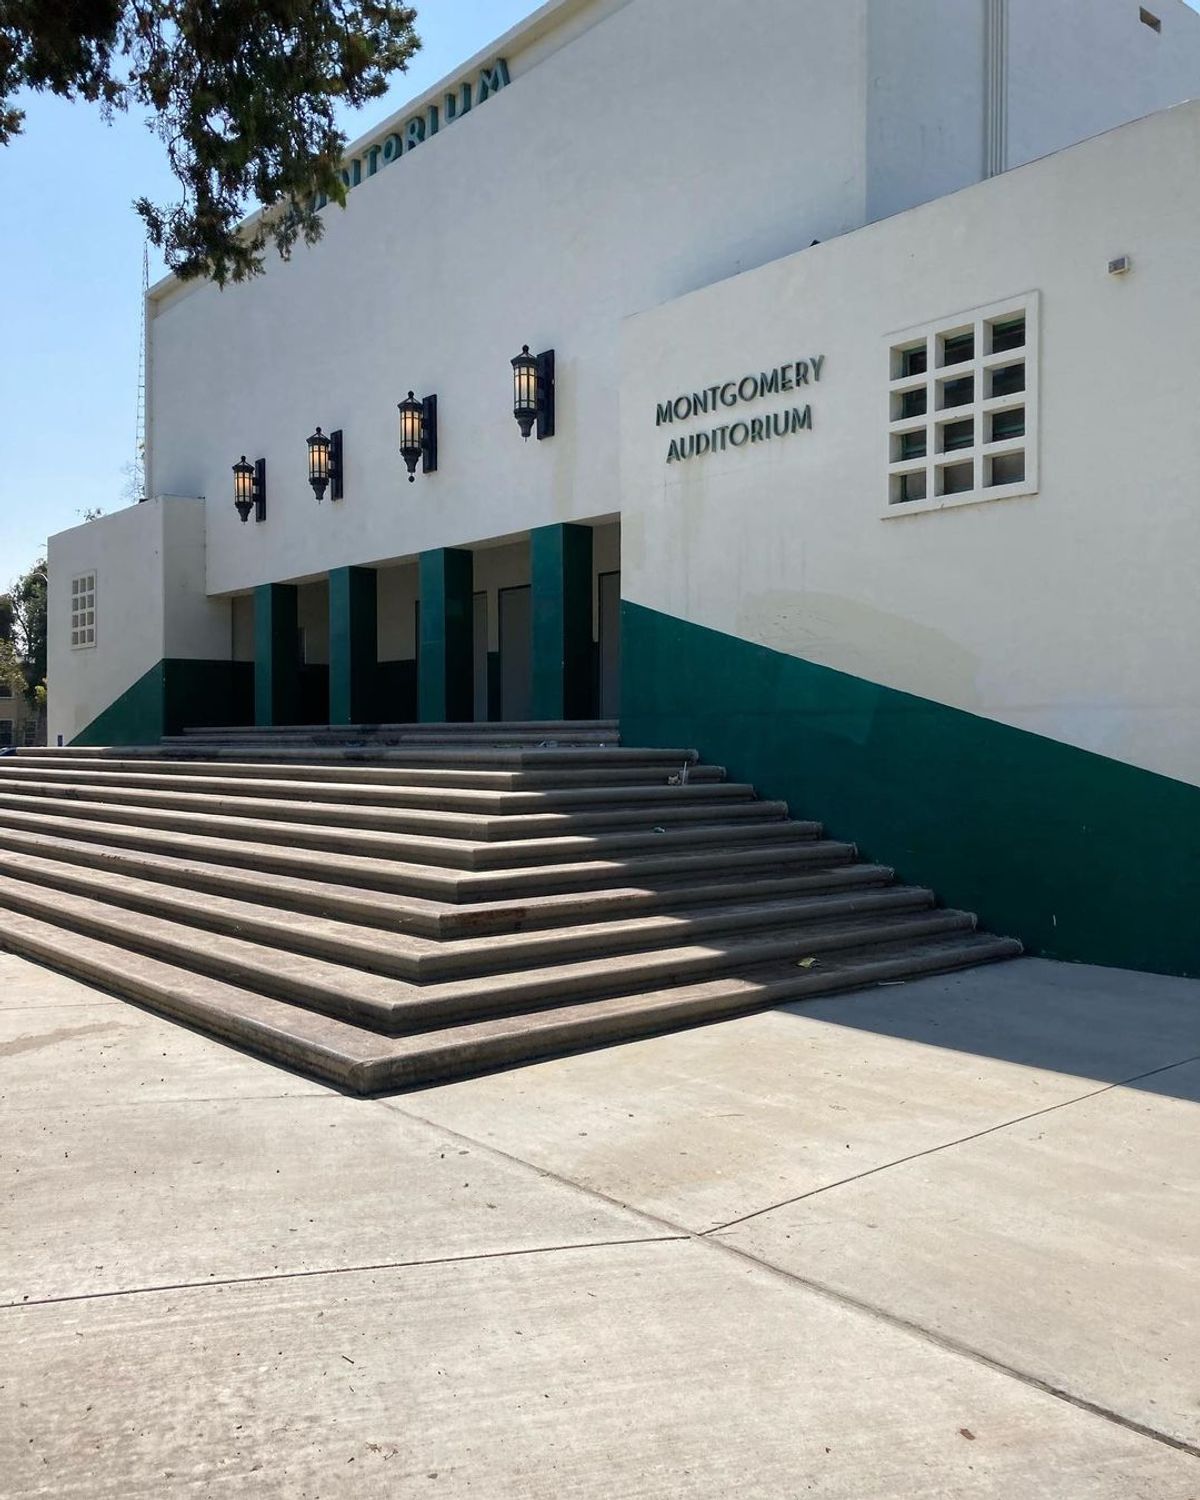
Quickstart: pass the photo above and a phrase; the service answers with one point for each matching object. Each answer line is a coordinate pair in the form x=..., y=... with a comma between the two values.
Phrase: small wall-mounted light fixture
x=325, y=464
x=250, y=488
x=533, y=392
x=419, y=435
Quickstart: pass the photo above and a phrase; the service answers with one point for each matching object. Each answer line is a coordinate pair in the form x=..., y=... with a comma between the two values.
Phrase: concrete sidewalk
x=935, y=1240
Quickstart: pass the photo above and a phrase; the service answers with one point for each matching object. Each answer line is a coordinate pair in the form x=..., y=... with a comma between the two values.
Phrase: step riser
x=447, y=885
x=424, y=849
x=442, y=962
x=643, y=801
x=336, y=769
x=424, y=823
x=365, y=1075
x=509, y=995
x=517, y=758
x=450, y=1062
x=419, y=917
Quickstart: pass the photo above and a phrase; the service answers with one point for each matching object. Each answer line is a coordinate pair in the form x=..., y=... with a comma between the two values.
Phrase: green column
x=276, y=654
x=446, y=658
x=353, y=645
x=561, y=569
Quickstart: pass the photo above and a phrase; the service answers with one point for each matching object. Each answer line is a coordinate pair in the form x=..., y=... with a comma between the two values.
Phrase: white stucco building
x=874, y=472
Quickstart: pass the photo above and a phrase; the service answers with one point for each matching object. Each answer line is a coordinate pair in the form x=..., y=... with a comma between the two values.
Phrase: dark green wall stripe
x=446, y=659
x=174, y=695
x=561, y=666
x=353, y=645
x=1082, y=857
x=278, y=690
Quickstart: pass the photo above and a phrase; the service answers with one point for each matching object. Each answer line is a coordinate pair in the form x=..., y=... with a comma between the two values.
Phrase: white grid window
x=83, y=611
x=964, y=409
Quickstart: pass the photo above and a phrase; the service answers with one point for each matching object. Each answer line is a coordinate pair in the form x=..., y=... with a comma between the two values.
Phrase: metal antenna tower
x=137, y=473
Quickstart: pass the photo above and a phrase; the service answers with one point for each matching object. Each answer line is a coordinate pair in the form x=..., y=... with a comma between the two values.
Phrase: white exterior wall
x=619, y=171
x=1073, y=613
x=150, y=604
x=1065, y=69
x=1128, y=70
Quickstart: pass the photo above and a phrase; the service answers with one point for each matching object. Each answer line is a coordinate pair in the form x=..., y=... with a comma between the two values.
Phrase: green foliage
x=23, y=633
x=242, y=93
x=12, y=675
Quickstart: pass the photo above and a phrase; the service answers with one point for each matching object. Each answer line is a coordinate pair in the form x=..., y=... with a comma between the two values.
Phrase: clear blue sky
x=71, y=263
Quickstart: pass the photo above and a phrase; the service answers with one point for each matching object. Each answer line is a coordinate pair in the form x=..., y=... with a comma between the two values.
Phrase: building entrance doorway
x=516, y=648
x=608, y=589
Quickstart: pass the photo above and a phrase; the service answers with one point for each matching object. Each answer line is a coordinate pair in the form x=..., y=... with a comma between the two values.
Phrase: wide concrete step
x=437, y=822
x=392, y=912
x=364, y=1062
x=609, y=729
x=668, y=862
x=331, y=787
x=544, y=734
x=422, y=960
x=515, y=769
x=396, y=1006
x=541, y=756
x=421, y=849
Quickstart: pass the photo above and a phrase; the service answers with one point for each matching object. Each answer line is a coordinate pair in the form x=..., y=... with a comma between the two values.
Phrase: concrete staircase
x=392, y=906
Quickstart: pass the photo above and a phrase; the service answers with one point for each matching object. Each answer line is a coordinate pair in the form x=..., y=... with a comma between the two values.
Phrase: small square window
x=1148, y=18
x=1008, y=333
x=911, y=445
x=1009, y=380
x=909, y=487
x=914, y=403
x=1007, y=425
x=1006, y=468
x=956, y=479
x=958, y=348
x=956, y=435
x=960, y=392
x=914, y=361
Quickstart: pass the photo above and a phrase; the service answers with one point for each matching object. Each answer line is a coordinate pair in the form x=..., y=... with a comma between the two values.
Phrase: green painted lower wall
x=174, y=695
x=1082, y=857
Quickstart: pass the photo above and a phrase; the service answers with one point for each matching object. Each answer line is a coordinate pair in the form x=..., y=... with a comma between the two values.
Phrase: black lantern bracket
x=545, y=412
x=429, y=435
x=337, y=489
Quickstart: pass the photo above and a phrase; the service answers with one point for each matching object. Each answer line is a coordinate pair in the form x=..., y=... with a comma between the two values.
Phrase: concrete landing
x=932, y=1241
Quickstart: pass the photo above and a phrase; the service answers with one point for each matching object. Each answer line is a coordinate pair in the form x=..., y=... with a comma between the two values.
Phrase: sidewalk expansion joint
x=397, y=1265
x=965, y=1140
x=705, y=1238
x=955, y=1346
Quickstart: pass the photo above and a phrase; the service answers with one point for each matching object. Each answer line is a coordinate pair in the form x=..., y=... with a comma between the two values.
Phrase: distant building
x=18, y=722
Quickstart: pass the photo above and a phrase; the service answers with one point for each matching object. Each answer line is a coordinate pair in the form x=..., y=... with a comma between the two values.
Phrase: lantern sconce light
x=533, y=393
x=250, y=488
x=325, y=464
x=419, y=435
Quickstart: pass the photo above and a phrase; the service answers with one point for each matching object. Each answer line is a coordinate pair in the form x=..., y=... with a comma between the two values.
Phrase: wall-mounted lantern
x=250, y=488
x=325, y=463
x=419, y=435
x=533, y=392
